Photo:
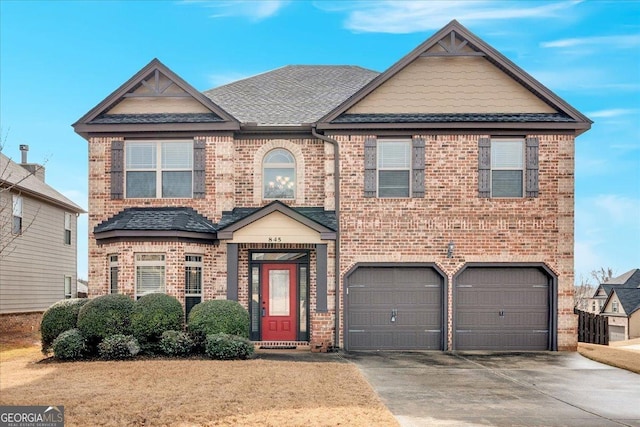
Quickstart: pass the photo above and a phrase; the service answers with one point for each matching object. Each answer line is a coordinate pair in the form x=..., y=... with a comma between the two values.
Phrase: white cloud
x=254, y=10
x=611, y=42
x=392, y=16
x=618, y=210
x=614, y=112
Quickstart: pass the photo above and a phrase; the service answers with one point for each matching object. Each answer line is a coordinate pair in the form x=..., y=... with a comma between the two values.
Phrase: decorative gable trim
x=85, y=124
x=446, y=39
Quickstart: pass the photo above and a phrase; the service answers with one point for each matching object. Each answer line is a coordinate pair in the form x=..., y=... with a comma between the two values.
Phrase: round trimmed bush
x=152, y=315
x=61, y=316
x=228, y=347
x=118, y=347
x=104, y=316
x=69, y=345
x=176, y=343
x=218, y=316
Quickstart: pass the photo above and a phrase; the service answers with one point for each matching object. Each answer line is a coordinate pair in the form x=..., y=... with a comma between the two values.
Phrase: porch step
x=282, y=345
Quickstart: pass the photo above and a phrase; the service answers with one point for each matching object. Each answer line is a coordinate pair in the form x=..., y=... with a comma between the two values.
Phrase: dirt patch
x=616, y=356
x=193, y=392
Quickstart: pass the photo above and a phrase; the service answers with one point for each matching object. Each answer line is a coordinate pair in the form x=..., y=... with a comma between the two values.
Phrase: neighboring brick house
x=426, y=207
x=619, y=299
x=38, y=244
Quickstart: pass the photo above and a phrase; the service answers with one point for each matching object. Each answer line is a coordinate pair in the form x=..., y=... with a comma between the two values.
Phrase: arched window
x=279, y=175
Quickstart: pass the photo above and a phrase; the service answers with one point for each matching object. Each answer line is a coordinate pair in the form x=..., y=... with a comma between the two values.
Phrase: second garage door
x=501, y=309
x=394, y=308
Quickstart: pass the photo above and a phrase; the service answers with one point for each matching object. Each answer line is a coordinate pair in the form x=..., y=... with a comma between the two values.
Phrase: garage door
x=501, y=309
x=616, y=333
x=394, y=308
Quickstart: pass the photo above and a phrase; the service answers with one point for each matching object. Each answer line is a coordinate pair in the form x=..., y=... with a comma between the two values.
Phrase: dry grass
x=193, y=392
x=614, y=355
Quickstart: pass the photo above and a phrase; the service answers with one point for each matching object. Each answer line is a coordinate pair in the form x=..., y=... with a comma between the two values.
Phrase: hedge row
x=116, y=327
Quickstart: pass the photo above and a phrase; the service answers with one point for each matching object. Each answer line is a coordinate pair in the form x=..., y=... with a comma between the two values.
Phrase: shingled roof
x=629, y=298
x=291, y=95
x=14, y=176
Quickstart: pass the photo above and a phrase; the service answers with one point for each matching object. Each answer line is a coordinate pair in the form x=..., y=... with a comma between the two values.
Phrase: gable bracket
x=451, y=48
x=156, y=89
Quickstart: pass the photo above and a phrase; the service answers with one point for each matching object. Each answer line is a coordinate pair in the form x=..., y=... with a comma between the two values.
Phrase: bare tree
x=602, y=275
x=583, y=290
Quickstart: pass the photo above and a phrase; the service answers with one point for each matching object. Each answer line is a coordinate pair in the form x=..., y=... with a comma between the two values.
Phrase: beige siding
x=634, y=325
x=451, y=85
x=35, y=264
x=152, y=105
x=276, y=228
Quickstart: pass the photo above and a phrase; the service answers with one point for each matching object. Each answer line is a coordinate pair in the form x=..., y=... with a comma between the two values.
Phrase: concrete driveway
x=500, y=389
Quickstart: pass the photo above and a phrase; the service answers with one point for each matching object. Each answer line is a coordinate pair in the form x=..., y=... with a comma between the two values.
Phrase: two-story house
x=38, y=244
x=429, y=206
x=619, y=299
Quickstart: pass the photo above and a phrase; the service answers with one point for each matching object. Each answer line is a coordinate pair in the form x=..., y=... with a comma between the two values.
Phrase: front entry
x=279, y=300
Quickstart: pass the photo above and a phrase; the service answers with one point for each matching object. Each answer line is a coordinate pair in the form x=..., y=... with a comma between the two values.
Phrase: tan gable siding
x=279, y=227
x=464, y=84
x=155, y=105
x=35, y=263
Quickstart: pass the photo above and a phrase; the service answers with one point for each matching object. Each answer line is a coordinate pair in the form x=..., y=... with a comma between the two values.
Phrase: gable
x=276, y=225
x=608, y=305
x=455, y=79
x=155, y=99
x=157, y=93
x=450, y=84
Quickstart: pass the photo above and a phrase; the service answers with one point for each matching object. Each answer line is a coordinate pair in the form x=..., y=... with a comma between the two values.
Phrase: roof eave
x=577, y=128
x=71, y=207
x=87, y=129
x=114, y=234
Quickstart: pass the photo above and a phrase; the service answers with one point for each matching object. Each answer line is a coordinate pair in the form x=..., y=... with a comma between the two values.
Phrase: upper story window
x=279, y=175
x=16, y=225
x=507, y=168
x=394, y=168
x=67, y=228
x=614, y=306
x=159, y=169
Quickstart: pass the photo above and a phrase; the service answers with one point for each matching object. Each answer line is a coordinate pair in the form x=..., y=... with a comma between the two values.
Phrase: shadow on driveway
x=501, y=389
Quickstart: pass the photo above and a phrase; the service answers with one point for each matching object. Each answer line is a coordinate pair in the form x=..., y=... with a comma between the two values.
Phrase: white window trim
x=17, y=212
x=522, y=169
x=199, y=263
x=69, y=279
x=158, y=168
x=67, y=228
x=151, y=263
x=113, y=264
x=408, y=168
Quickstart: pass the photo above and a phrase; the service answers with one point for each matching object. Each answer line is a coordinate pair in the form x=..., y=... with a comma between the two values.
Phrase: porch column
x=232, y=271
x=321, y=278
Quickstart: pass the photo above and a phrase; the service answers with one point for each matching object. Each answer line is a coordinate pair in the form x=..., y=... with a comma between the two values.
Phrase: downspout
x=336, y=174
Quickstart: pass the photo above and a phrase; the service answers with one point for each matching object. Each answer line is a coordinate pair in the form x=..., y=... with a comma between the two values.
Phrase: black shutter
x=532, y=167
x=484, y=167
x=199, y=165
x=117, y=169
x=417, y=167
x=370, y=166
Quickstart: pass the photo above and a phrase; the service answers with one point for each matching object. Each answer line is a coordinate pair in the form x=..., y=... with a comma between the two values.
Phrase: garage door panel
x=413, y=294
x=616, y=333
x=501, y=308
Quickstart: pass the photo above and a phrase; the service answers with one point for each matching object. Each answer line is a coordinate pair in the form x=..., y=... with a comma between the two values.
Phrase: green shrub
x=152, y=315
x=69, y=345
x=104, y=316
x=227, y=347
x=118, y=347
x=176, y=343
x=218, y=316
x=60, y=317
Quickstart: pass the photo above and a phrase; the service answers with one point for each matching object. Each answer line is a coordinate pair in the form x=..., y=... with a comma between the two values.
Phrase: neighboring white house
x=38, y=240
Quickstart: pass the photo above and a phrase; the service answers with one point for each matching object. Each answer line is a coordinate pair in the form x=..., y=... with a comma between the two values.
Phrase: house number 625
x=275, y=240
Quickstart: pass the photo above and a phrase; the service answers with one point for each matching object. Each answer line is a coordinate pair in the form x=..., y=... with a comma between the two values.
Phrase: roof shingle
x=157, y=219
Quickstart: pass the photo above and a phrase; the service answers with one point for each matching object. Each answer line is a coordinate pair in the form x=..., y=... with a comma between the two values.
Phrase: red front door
x=278, y=305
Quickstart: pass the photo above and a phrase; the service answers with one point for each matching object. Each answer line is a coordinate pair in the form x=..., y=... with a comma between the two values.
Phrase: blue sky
x=59, y=59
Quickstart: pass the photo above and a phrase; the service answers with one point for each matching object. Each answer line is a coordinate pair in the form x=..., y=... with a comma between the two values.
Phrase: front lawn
x=193, y=392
